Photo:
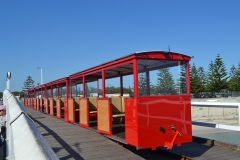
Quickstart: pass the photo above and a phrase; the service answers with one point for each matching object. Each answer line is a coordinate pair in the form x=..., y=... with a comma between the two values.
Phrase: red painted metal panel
x=163, y=55
x=131, y=122
x=167, y=112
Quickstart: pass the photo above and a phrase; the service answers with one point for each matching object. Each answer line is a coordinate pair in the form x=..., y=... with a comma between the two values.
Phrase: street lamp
x=41, y=75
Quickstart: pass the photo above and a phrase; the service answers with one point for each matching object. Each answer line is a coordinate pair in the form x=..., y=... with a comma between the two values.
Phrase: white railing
x=24, y=141
x=217, y=105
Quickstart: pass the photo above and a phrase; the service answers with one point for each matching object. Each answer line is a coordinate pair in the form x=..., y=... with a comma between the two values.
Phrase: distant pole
x=41, y=77
x=8, y=80
x=41, y=74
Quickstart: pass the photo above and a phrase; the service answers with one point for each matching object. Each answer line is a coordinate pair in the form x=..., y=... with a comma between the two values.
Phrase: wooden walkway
x=70, y=141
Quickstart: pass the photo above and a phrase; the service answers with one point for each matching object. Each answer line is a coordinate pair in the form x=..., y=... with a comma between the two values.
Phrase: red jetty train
x=142, y=99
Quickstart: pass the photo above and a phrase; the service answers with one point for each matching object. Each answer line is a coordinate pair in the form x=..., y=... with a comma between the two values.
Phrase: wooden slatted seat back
x=123, y=103
x=92, y=103
x=62, y=99
x=116, y=104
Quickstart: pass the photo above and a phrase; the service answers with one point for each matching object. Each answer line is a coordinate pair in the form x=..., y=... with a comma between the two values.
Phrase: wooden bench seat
x=117, y=109
x=92, y=101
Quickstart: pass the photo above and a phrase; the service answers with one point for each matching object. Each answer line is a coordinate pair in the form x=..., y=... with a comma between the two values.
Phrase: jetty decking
x=70, y=141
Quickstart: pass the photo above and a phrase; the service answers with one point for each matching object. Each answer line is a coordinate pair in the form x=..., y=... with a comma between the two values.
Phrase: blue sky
x=67, y=36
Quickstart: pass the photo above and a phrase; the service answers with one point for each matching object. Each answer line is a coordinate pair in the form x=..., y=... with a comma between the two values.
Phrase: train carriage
x=142, y=99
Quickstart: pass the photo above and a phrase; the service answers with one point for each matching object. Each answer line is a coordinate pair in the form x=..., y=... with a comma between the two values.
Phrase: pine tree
x=219, y=77
x=238, y=78
x=233, y=83
x=232, y=79
x=203, y=79
x=181, y=86
x=195, y=80
x=165, y=84
x=29, y=83
x=183, y=80
x=210, y=79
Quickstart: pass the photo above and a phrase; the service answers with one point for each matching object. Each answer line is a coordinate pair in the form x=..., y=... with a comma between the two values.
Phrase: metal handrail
x=217, y=105
x=23, y=140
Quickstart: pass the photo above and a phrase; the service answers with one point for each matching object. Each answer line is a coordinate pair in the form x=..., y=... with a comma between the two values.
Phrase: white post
x=8, y=84
x=41, y=74
x=8, y=80
x=41, y=77
x=239, y=115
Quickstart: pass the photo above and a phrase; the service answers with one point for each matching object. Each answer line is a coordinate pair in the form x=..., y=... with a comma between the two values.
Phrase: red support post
x=83, y=86
x=66, y=103
x=135, y=74
x=103, y=84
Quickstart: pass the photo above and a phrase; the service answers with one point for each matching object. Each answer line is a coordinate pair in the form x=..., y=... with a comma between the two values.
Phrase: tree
x=181, y=84
x=237, y=77
x=195, y=79
x=218, y=78
x=233, y=83
x=202, y=78
x=142, y=84
x=165, y=83
x=29, y=83
x=210, y=80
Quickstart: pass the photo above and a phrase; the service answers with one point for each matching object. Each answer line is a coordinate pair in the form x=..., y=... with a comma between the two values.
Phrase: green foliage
x=203, y=79
x=29, y=83
x=210, y=80
x=113, y=90
x=195, y=80
x=165, y=84
x=218, y=75
x=142, y=84
x=234, y=80
x=16, y=93
x=181, y=84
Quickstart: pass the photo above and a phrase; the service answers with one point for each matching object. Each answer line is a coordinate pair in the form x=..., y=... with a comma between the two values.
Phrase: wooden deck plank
x=70, y=141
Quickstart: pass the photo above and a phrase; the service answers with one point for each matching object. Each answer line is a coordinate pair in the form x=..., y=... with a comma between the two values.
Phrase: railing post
x=239, y=114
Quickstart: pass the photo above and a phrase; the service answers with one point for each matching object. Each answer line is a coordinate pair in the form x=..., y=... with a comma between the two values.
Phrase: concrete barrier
x=24, y=141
